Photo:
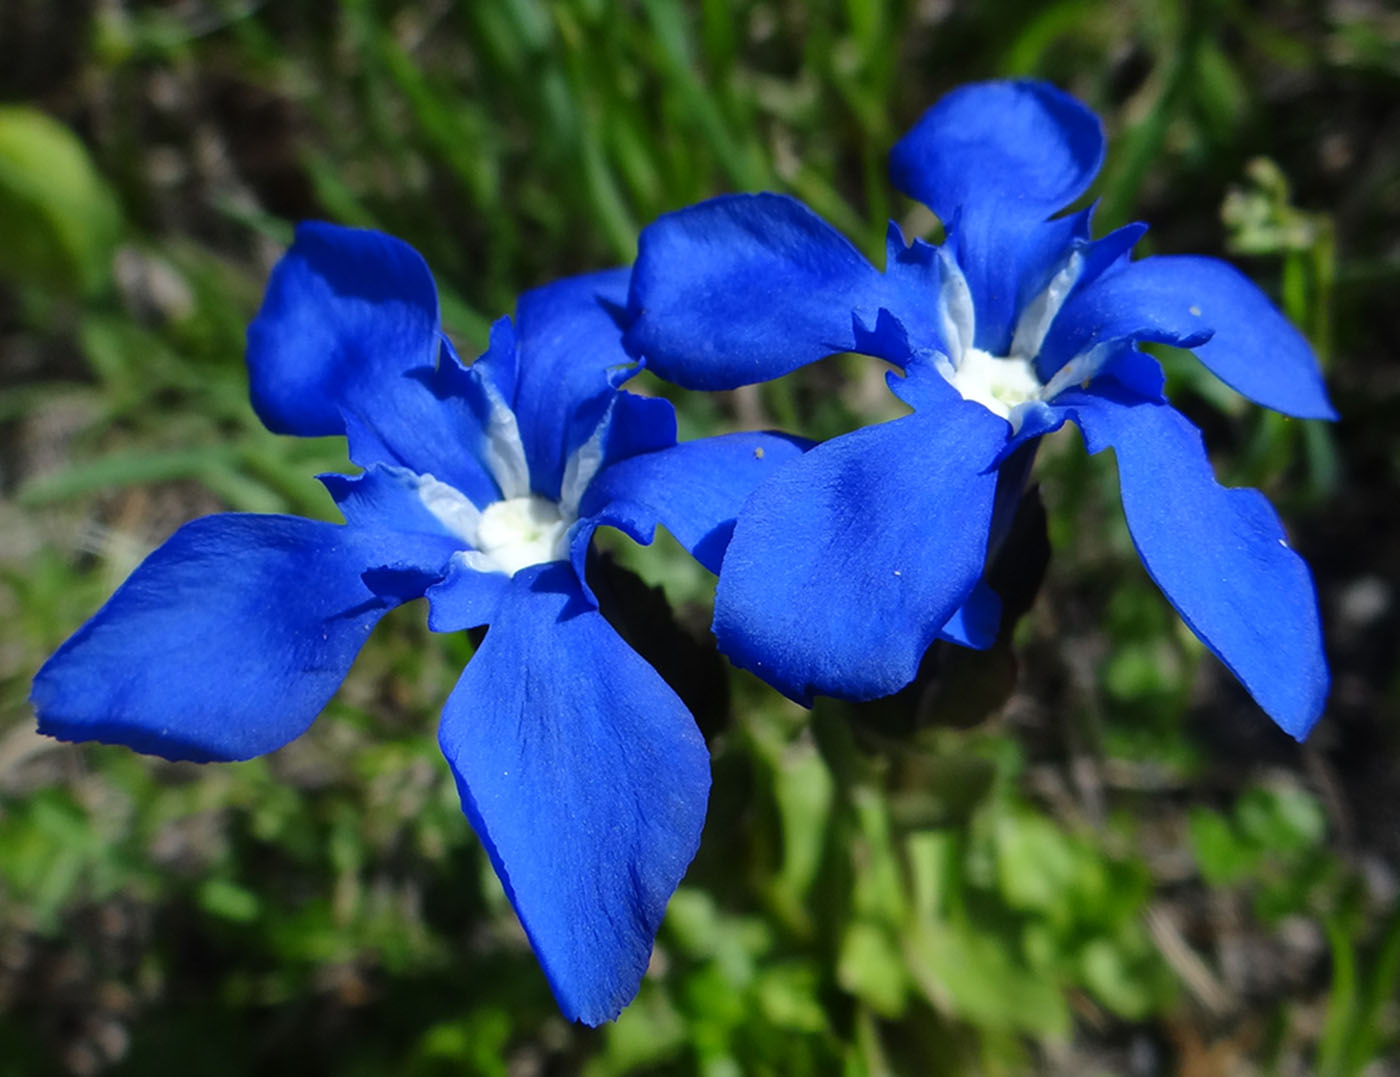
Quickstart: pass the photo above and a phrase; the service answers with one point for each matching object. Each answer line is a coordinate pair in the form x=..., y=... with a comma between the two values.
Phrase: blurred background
x=1086, y=851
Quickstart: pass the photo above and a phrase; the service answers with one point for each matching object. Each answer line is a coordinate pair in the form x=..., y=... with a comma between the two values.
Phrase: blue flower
x=848, y=563
x=582, y=772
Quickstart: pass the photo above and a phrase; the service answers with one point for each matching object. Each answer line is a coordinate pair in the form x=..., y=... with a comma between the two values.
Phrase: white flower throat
x=522, y=528
x=1007, y=384
x=507, y=535
x=999, y=383
x=520, y=532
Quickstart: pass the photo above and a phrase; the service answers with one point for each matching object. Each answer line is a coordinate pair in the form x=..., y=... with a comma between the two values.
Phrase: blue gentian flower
x=848, y=563
x=582, y=772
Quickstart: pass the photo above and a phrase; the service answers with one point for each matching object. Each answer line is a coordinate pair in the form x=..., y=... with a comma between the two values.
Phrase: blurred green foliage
x=1116, y=866
x=62, y=222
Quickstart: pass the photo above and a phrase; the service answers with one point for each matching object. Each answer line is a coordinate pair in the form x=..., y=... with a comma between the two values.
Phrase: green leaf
x=1284, y=821
x=787, y=997
x=472, y=1044
x=803, y=789
x=1036, y=863
x=971, y=975
x=871, y=968
x=125, y=468
x=648, y=1032
x=228, y=901
x=1123, y=977
x=60, y=220
x=1223, y=860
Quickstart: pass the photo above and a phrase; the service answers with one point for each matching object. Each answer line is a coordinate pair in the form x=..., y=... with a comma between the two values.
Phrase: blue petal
x=1129, y=303
x=1136, y=374
x=1108, y=252
x=465, y=598
x=432, y=422
x=585, y=778
x=486, y=392
x=570, y=361
x=887, y=339
x=911, y=322
x=994, y=160
x=499, y=366
x=391, y=500
x=921, y=386
x=635, y=521
x=346, y=312
x=1024, y=149
x=847, y=562
x=347, y=342
x=1037, y=420
x=637, y=424
x=1094, y=260
x=745, y=288
x=976, y=621
x=1253, y=348
x=694, y=488
x=414, y=429
x=1219, y=555
x=416, y=545
x=224, y=644
x=1007, y=262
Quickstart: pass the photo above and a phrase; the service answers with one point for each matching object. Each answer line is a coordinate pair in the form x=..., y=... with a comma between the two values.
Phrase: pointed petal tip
x=1298, y=716
x=1219, y=555
x=1321, y=410
x=1300, y=729
x=585, y=778
x=1242, y=337
x=225, y=643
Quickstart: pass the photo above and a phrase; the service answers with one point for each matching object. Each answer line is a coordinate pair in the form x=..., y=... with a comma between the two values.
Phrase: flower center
x=521, y=531
x=999, y=383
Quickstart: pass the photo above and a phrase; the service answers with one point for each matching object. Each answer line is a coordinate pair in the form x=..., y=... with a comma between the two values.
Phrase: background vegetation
x=1084, y=852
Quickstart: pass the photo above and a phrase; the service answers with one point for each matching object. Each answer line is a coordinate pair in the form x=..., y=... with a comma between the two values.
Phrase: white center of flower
x=1000, y=384
x=506, y=536
x=1006, y=385
x=520, y=532
x=521, y=529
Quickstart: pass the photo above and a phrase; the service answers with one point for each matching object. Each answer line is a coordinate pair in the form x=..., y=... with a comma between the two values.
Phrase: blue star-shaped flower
x=848, y=563
x=581, y=770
